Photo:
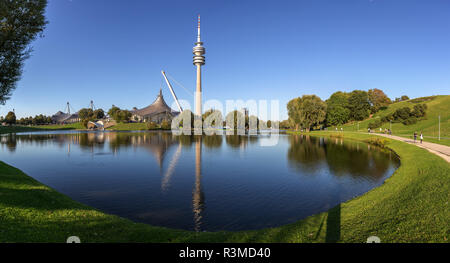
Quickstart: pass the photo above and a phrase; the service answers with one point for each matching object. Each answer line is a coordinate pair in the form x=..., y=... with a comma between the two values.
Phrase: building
x=65, y=118
x=157, y=112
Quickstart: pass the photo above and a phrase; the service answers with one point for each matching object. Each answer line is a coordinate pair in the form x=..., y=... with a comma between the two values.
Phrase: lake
x=201, y=183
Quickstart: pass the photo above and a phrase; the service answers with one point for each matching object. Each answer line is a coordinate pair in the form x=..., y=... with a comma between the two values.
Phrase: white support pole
x=171, y=91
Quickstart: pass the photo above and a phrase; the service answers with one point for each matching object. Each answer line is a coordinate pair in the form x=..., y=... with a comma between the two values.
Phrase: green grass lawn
x=15, y=129
x=429, y=126
x=411, y=206
x=132, y=126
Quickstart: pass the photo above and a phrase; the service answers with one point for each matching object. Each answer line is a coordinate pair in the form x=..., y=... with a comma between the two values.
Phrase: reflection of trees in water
x=356, y=159
x=343, y=157
x=213, y=141
x=85, y=140
x=156, y=142
x=89, y=141
x=305, y=152
x=235, y=141
x=9, y=141
x=185, y=140
x=240, y=141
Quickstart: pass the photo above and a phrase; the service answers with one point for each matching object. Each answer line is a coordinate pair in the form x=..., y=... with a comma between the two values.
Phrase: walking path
x=438, y=149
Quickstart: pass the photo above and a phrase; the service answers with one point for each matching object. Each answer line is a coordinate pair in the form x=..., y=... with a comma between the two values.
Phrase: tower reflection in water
x=158, y=144
x=198, y=198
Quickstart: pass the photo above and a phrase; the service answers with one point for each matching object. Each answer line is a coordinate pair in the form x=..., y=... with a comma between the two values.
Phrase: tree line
x=310, y=112
x=11, y=119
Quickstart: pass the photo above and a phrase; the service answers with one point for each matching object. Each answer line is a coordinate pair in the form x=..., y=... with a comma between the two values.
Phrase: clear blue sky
x=112, y=51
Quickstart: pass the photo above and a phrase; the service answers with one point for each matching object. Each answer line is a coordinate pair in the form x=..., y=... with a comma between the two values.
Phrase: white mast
x=171, y=91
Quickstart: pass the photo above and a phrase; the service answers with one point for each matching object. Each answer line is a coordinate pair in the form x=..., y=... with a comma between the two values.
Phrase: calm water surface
x=201, y=183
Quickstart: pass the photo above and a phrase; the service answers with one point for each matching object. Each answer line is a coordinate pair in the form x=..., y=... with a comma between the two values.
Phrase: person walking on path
x=421, y=137
x=415, y=137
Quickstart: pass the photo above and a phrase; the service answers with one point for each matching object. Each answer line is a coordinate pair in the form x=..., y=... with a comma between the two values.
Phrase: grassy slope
x=412, y=206
x=429, y=126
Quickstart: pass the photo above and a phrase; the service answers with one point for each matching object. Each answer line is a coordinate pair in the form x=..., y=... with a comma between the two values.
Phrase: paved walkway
x=438, y=149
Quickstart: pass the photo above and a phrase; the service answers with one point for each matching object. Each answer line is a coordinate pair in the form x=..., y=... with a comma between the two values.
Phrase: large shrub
x=402, y=113
x=152, y=125
x=375, y=124
x=165, y=125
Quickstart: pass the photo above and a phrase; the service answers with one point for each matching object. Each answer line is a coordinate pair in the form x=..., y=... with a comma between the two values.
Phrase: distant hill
x=436, y=105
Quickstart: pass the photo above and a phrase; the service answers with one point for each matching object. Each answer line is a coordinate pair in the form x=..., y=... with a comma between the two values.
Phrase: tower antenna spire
x=198, y=29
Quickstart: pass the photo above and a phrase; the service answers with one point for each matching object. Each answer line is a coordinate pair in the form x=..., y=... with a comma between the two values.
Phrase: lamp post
x=439, y=136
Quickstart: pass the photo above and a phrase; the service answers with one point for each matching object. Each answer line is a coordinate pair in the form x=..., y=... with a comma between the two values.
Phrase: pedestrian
x=421, y=137
x=415, y=137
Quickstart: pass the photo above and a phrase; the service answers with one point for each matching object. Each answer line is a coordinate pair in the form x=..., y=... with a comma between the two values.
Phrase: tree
x=286, y=124
x=208, y=113
x=378, y=99
x=293, y=108
x=312, y=111
x=307, y=111
x=337, y=115
x=165, y=125
x=20, y=23
x=419, y=110
x=98, y=114
x=358, y=104
x=119, y=115
x=337, y=109
x=123, y=116
x=151, y=125
x=10, y=118
x=237, y=119
x=269, y=124
x=402, y=113
x=86, y=114
x=113, y=111
x=338, y=98
x=404, y=97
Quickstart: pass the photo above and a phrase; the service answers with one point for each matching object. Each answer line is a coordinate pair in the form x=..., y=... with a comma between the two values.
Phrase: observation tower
x=199, y=61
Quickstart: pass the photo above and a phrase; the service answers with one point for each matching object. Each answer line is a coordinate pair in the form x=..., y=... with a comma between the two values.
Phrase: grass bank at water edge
x=411, y=206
